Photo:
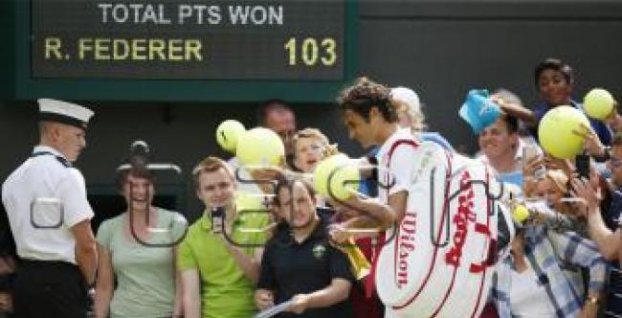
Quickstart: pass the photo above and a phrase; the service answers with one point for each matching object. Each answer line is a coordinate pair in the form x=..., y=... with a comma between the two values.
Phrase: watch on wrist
x=605, y=156
x=592, y=300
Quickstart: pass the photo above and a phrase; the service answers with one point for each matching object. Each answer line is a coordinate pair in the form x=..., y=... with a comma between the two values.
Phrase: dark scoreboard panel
x=231, y=40
x=198, y=50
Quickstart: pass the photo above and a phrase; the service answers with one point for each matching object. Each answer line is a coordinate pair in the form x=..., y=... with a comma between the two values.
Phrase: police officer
x=49, y=215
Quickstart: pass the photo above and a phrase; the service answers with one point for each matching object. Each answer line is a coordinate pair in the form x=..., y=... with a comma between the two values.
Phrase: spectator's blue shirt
x=603, y=132
x=436, y=138
x=515, y=177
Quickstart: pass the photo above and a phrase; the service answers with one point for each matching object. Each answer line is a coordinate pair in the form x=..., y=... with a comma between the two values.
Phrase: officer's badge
x=319, y=251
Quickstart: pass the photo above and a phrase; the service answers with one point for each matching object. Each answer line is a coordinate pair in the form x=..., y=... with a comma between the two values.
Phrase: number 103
x=312, y=51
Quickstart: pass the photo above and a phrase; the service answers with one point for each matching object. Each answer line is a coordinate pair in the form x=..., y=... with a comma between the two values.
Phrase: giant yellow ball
x=260, y=146
x=336, y=177
x=598, y=103
x=228, y=133
x=556, y=131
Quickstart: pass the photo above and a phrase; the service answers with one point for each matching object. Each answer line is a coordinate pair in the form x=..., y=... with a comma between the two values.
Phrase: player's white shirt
x=395, y=163
x=43, y=199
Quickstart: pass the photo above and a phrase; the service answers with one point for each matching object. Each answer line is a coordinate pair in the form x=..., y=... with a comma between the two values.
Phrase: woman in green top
x=140, y=256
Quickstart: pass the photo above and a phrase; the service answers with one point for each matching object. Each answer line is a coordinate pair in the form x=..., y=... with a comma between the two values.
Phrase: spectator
x=310, y=147
x=555, y=81
x=504, y=151
x=303, y=266
x=139, y=259
x=614, y=121
x=411, y=116
x=553, y=188
x=219, y=262
x=530, y=281
x=277, y=115
x=604, y=221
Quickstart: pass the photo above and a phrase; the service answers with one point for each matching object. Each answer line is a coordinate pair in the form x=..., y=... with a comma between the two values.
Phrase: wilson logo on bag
x=438, y=261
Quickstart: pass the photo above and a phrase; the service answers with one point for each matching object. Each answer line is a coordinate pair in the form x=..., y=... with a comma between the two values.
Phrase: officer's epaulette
x=60, y=159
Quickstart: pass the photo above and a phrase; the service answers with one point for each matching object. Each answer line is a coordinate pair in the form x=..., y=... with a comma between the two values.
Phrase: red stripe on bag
x=430, y=270
x=492, y=251
x=453, y=277
x=370, y=282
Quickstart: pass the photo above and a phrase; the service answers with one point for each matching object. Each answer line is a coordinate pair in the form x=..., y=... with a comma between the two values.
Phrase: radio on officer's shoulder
x=218, y=217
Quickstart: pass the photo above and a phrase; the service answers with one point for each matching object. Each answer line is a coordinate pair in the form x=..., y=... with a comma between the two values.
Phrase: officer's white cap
x=64, y=112
x=407, y=96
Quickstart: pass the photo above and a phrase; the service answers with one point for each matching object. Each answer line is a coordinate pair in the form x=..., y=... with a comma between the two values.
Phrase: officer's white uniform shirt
x=44, y=199
x=395, y=163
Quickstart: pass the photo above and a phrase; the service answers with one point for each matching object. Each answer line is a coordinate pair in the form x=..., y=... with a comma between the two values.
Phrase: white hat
x=408, y=96
x=64, y=112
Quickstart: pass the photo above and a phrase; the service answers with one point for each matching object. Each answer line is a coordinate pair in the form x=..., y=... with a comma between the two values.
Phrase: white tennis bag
x=439, y=261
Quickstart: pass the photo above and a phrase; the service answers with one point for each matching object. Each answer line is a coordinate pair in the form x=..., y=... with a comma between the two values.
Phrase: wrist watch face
x=591, y=300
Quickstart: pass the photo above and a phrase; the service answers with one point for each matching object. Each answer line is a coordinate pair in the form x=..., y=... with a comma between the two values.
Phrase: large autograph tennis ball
x=557, y=131
x=598, y=103
x=260, y=146
x=228, y=133
x=337, y=177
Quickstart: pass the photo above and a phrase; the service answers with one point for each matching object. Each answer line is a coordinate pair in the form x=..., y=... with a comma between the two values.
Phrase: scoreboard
x=196, y=50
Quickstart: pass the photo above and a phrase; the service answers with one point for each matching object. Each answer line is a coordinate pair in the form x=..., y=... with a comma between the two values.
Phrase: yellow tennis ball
x=556, y=131
x=337, y=177
x=260, y=146
x=598, y=103
x=228, y=133
x=323, y=170
x=520, y=214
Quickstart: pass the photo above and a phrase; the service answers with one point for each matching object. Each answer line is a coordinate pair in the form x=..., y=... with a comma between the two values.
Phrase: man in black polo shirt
x=300, y=264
